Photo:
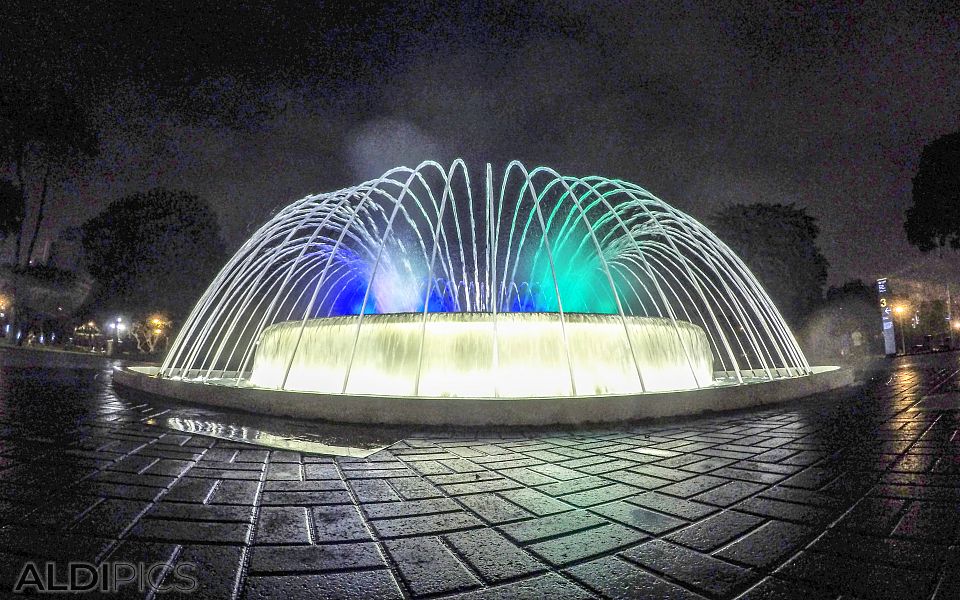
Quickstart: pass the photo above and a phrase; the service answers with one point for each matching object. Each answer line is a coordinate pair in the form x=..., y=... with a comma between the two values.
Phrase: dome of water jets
x=427, y=282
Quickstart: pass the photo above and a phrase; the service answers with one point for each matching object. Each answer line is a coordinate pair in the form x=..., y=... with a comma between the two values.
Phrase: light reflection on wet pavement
x=852, y=494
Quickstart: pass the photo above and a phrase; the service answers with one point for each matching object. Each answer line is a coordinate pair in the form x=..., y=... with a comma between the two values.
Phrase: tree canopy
x=933, y=222
x=779, y=244
x=155, y=251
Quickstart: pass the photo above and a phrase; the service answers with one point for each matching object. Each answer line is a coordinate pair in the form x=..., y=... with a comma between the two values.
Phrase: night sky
x=253, y=106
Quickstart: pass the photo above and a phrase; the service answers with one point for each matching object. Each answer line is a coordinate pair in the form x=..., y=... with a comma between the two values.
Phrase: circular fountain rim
x=541, y=411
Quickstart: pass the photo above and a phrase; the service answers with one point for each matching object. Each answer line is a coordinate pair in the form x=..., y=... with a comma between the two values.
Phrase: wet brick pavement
x=855, y=495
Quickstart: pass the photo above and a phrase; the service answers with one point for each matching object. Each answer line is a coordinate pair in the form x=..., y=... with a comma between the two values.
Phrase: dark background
x=253, y=105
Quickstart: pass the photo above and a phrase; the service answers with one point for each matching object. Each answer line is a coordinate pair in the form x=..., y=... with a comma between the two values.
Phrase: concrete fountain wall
x=484, y=411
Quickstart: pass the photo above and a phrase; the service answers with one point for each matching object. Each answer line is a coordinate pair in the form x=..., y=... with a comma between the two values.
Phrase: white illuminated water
x=457, y=357
x=425, y=282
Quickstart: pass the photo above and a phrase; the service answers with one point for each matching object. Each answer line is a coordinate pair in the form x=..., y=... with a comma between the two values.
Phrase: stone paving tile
x=877, y=516
x=693, y=486
x=859, y=579
x=383, y=510
x=662, y=472
x=769, y=545
x=283, y=525
x=673, y=506
x=374, y=490
x=57, y=513
x=599, y=495
x=191, y=490
x=607, y=467
x=920, y=556
x=299, y=498
x=656, y=452
x=747, y=475
x=315, y=558
x=715, y=531
x=639, y=480
x=234, y=492
x=801, y=496
x=535, y=502
x=320, y=471
x=772, y=588
x=493, y=509
x=585, y=544
x=323, y=586
x=527, y=476
x=429, y=567
x=218, y=569
x=550, y=586
x=552, y=525
x=200, y=512
x=557, y=472
x=492, y=555
x=640, y=518
x=112, y=518
x=699, y=571
x=775, y=509
x=479, y=487
x=620, y=580
x=425, y=524
x=283, y=471
x=414, y=489
x=191, y=531
x=314, y=485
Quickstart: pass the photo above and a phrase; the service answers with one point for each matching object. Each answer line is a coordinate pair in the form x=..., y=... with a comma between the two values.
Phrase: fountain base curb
x=372, y=410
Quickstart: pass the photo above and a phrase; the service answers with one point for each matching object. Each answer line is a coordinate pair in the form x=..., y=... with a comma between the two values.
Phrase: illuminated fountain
x=427, y=284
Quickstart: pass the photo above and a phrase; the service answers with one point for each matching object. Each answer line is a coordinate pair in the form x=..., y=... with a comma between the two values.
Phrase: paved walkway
x=855, y=497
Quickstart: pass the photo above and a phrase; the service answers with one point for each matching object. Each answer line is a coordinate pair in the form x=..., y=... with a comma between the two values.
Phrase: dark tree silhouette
x=44, y=131
x=933, y=222
x=152, y=252
x=856, y=308
x=779, y=244
x=11, y=209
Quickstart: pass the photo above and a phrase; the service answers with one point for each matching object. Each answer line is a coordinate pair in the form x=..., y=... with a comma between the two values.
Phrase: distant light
x=157, y=331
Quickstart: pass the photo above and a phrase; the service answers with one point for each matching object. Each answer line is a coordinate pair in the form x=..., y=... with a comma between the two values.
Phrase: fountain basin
x=474, y=412
x=508, y=355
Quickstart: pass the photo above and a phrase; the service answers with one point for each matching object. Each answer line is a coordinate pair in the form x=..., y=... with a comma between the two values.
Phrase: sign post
x=886, y=316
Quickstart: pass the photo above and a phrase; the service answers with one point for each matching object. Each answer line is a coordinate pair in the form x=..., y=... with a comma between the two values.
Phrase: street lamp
x=899, y=310
x=117, y=326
